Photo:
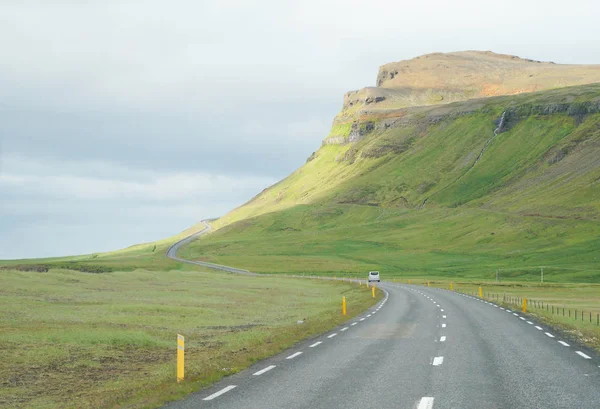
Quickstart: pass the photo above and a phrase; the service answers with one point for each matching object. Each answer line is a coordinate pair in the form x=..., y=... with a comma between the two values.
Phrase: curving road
x=419, y=348
x=172, y=253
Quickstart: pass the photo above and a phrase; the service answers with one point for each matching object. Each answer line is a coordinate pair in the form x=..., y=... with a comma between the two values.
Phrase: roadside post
x=373, y=291
x=480, y=292
x=524, y=305
x=180, y=357
x=344, y=305
x=451, y=288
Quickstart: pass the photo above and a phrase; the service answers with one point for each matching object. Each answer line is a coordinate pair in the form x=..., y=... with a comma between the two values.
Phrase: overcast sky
x=127, y=121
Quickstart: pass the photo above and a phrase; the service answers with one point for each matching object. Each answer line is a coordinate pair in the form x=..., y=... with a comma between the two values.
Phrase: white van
x=374, y=276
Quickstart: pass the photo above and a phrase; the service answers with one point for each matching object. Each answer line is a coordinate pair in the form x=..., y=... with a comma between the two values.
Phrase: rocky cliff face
x=439, y=78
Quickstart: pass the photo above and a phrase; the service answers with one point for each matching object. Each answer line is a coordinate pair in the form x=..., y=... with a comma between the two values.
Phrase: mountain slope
x=465, y=188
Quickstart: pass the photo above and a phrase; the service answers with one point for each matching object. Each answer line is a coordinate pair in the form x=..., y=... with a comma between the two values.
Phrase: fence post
x=180, y=357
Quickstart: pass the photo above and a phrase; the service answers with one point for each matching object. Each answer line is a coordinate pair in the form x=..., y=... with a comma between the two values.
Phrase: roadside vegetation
x=72, y=339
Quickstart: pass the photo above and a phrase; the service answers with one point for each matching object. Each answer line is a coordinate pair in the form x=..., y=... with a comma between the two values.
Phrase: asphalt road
x=421, y=348
x=172, y=253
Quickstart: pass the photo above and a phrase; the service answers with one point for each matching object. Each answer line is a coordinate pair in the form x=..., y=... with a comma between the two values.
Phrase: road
x=172, y=253
x=419, y=348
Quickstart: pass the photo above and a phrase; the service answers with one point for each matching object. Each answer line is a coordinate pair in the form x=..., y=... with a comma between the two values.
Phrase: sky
x=128, y=121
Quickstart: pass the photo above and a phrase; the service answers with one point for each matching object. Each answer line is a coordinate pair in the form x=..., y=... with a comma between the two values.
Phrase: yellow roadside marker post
x=451, y=288
x=524, y=304
x=373, y=291
x=480, y=293
x=180, y=357
x=344, y=305
x=367, y=284
x=408, y=281
x=428, y=284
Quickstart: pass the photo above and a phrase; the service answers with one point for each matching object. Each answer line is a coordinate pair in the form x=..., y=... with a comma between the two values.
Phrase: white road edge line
x=344, y=329
x=354, y=323
x=550, y=335
x=530, y=323
x=315, y=344
x=564, y=343
x=583, y=355
x=426, y=403
x=437, y=361
x=262, y=371
x=362, y=319
x=294, y=355
x=332, y=335
x=222, y=391
x=539, y=328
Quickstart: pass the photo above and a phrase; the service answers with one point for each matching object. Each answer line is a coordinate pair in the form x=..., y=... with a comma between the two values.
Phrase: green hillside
x=411, y=197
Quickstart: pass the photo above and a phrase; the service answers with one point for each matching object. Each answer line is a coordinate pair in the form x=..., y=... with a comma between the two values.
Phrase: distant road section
x=172, y=253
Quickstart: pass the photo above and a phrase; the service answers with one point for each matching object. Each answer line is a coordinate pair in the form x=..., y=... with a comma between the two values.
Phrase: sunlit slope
x=415, y=197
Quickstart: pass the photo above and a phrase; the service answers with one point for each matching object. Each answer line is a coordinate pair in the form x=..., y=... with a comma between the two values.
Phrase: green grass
x=78, y=340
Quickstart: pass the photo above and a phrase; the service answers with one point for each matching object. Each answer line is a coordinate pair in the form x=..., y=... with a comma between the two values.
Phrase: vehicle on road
x=374, y=276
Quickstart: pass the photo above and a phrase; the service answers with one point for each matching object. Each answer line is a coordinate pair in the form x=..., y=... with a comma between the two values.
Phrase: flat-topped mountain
x=442, y=78
x=455, y=164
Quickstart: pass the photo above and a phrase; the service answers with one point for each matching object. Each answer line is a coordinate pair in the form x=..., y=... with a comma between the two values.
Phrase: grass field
x=70, y=339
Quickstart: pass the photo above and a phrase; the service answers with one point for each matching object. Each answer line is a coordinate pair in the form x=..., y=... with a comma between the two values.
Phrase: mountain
x=451, y=165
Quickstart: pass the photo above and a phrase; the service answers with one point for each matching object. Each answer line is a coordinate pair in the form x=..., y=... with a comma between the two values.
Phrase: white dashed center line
x=583, y=355
x=564, y=343
x=222, y=391
x=262, y=371
x=442, y=310
x=426, y=403
x=332, y=335
x=443, y=316
x=294, y=355
x=443, y=325
x=315, y=344
x=437, y=361
x=443, y=338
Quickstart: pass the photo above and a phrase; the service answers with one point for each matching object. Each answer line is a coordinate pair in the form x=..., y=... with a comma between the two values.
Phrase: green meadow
x=72, y=339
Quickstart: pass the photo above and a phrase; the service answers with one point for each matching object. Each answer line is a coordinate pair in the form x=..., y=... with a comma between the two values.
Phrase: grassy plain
x=78, y=340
